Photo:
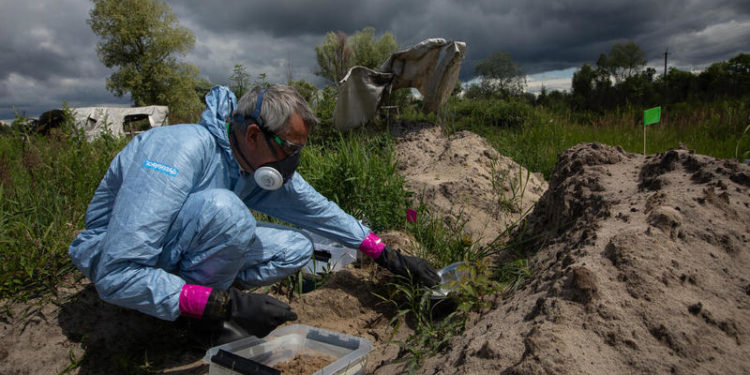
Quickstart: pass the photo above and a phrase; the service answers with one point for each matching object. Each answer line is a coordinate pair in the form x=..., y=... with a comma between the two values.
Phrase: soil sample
x=304, y=364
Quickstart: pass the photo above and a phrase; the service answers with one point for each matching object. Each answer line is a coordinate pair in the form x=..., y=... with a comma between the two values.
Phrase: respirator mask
x=273, y=175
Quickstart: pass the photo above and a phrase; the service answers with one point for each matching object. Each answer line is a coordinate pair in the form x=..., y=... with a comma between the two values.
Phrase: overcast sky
x=48, y=51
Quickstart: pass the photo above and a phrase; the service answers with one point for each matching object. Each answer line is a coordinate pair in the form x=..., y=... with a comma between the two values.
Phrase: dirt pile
x=463, y=177
x=640, y=266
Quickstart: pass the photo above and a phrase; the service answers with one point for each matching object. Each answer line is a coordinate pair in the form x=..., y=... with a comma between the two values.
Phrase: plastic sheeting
x=432, y=67
x=96, y=120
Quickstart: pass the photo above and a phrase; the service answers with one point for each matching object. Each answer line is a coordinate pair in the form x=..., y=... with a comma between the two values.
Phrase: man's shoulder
x=185, y=136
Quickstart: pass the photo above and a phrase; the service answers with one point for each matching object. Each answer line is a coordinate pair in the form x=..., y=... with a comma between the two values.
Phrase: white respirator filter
x=268, y=178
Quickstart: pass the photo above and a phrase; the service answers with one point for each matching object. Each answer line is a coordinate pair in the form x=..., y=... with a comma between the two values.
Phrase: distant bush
x=493, y=112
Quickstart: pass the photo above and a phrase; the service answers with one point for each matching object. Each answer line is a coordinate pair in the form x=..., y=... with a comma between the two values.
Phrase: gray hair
x=279, y=103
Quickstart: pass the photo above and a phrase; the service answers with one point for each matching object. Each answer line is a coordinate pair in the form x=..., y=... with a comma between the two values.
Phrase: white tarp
x=432, y=67
x=359, y=97
x=94, y=120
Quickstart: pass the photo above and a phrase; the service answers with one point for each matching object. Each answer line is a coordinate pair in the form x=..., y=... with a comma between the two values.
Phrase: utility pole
x=664, y=105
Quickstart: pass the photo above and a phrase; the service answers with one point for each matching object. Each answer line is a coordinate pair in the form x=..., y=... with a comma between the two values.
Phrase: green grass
x=534, y=137
x=46, y=184
x=358, y=172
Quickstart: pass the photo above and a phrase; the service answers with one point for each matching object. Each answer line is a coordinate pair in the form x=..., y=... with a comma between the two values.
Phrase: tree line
x=618, y=79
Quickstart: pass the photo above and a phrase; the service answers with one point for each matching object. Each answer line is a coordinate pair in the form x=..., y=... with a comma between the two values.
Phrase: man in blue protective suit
x=169, y=228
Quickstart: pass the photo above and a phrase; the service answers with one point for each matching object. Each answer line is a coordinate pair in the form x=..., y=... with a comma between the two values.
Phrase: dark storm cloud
x=49, y=51
x=283, y=18
x=43, y=39
x=48, y=57
x=538, y=34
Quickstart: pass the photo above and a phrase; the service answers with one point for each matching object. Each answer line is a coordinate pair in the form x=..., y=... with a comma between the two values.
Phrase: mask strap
x=233, y=139
x=256, y=113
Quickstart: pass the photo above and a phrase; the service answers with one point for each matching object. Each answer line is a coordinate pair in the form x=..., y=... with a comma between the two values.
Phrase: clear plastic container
x=329, y=256
x=284, y=343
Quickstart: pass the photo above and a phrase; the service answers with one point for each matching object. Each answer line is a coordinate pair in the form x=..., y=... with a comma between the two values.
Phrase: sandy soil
x=464, y=178
x=303, y=364
x=639, y=266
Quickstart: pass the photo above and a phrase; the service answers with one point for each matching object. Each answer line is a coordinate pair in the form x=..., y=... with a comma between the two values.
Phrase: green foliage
x=492, y=112
x=324, y=105
x=333, y=57
x=593, y=92
x=140, y=39
x=46, y=184
x=476, y=288
x=533, y=137
x=745, y=153
x=369, y=52
x=442, y=240
x=307, y=90
x=430, y=335
x=500, y=76
x=513, y=274
x=338, y=52
x=437, y=321
x=508, y=189
x=358, y=173
x=623, y=60
x=240, y=80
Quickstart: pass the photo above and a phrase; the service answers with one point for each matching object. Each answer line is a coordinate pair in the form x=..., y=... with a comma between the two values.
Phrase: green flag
x=651, y=116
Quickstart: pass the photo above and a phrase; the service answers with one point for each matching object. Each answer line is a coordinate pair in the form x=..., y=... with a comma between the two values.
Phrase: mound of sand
x=463, y=177
x=642, y=268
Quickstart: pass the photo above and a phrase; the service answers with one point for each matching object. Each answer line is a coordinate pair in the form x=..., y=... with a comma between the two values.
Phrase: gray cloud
x=50, y=51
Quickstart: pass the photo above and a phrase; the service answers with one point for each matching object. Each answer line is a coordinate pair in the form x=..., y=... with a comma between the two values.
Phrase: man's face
x=260, y=147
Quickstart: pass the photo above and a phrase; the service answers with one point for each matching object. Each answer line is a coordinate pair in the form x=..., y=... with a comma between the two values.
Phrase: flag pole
x=644, y=139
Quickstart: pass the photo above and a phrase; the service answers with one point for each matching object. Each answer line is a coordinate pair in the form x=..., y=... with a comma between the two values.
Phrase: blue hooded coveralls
x=173, y=209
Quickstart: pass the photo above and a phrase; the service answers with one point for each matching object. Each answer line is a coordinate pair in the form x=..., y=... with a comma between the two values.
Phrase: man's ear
x=253, y=133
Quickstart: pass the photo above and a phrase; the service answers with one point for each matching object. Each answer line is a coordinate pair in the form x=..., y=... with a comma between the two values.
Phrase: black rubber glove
x=259, y=314
x=405, y=265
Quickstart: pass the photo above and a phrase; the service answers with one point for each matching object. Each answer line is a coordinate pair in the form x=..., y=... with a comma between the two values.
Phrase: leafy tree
x=639, y=89
x=338, y=52
x=500, y=75
x=739, y=72
x=369, y=52
x=592, y=89
x=583, y=85
x=623, y=60
x=306, y=89
x=334, y=57
x=681, y=85
x=240, y=80
x=140, y=38
x=262, y=81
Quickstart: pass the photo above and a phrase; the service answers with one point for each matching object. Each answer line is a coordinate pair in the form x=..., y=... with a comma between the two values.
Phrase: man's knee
x=276, y=253
x=213, y=231
x=221, y=203
x=297, y=256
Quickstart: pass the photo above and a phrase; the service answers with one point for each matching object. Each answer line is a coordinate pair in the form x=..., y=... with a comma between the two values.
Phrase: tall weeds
x=46, y=183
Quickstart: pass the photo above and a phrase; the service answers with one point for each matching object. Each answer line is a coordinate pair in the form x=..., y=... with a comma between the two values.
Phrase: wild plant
x=744, y=155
